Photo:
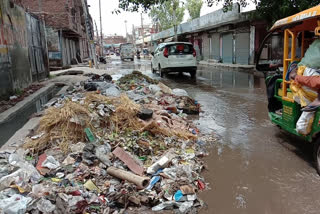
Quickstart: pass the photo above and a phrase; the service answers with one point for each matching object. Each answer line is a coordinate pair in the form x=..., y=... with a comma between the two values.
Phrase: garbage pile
x=102, y=152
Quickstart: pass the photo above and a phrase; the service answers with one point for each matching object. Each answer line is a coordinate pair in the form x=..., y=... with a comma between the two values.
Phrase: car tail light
x=166, y=52
x=194, y=53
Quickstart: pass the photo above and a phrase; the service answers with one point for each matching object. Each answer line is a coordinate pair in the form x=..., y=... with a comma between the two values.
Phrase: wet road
x=255, y=167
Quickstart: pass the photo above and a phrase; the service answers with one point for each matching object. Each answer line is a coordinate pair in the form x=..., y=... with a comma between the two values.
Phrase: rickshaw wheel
x=316, y=154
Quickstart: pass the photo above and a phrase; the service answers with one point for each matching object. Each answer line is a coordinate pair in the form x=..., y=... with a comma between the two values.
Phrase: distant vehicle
x=174, y=57
x=127, y=51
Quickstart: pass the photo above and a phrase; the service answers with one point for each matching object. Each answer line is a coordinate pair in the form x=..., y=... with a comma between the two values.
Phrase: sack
x=312, y=56
x=302, y=94
x=304, y=123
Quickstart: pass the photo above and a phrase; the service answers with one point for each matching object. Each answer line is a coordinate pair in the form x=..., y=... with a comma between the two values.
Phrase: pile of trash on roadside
x=109, y=146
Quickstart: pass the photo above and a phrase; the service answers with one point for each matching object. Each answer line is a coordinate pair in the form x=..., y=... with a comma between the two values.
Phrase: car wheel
x=193, y=74
x=161, y=71
x=316, y=155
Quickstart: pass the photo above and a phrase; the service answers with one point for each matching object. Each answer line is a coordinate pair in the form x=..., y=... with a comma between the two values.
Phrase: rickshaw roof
x=310, y=13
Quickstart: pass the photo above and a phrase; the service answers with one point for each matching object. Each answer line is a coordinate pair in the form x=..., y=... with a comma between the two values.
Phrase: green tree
x=269, y=10
x=168, y=14
x=272, y=11
x=194, y=8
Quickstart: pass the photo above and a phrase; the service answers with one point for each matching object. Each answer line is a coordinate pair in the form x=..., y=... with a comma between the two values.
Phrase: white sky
x=115, y=24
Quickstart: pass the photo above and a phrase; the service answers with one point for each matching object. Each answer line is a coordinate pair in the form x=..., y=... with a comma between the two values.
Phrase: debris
x=50, y=163
x=89, y=134
x=180, y=92
x=187, y=189
x=140, y=182
x=45, y=206
x=161, y=163
x=145, y=114
x=92, y=150
x=128, y=161
x=166, y=205
x=153, y=181
x=91, y=186
x=15, y=204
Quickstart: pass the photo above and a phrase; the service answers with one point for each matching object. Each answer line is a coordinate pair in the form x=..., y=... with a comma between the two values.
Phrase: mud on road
x=255, y=167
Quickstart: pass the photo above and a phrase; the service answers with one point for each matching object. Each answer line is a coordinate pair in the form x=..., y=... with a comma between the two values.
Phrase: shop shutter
x=215, y=46
x=227, y=48
x=242, y=48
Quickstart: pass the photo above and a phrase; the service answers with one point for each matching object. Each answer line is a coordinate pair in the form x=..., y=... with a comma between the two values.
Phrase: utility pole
x=134, y=37
x=125, y=22
x=142, y=31
x=101, y=36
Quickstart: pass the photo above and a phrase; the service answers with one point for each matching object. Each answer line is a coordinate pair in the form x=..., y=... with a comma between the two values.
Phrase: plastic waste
x=45, y=206
x=304, y=123
x=154, y=88
x=39, y=190
x=103, y=154
x=91, y=186
x=178, y=195
x=50, y=163
x=180, y=92
x=153, y=181
x=166, y=205
x=161, y=163
x=112, y=92
x=16, y=204
x=185, y=206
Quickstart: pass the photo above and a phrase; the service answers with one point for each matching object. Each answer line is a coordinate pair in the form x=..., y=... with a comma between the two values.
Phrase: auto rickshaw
x=286, y=43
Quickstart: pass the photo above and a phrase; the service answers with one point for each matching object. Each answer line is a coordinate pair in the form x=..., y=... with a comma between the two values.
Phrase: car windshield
x=180, y=49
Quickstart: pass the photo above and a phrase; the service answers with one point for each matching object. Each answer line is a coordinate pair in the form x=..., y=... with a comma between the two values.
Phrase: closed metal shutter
x=227, y=48
x=242, y=48
x=215, y=46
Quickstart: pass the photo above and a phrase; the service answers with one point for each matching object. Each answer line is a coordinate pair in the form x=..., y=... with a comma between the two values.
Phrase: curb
x=11, y=112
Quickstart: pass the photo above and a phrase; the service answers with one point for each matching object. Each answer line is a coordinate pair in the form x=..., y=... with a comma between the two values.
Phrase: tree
x=272, y=11
x=269, y=10
x=168, y=14
x=194, y=8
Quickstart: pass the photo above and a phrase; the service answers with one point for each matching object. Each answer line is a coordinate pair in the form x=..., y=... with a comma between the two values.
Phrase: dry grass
x=59, y=129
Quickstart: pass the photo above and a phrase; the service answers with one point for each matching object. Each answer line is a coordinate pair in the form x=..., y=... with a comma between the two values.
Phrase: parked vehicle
x=276, y=61
x=127, y=51
x=174, y=57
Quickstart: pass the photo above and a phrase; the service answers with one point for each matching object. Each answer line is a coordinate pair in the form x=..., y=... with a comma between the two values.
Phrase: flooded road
x=254, y=167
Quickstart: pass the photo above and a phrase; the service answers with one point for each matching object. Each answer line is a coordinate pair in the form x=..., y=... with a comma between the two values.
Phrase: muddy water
x=254, y=167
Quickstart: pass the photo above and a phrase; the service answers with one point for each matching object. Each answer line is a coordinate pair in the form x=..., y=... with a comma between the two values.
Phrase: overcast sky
x=115, y=24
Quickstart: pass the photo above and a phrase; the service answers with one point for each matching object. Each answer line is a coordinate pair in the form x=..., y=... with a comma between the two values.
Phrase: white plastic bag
x=16, y=204
x=304, y=123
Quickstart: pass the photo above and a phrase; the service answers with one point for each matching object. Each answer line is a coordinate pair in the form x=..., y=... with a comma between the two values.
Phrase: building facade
x=225, y=37
x=23, y=53
x=68, y=26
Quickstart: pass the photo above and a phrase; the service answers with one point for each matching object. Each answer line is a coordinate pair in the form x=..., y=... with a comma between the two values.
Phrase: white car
x=174, y=57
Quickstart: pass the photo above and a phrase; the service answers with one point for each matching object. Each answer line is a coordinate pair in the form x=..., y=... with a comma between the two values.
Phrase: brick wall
x=60, y=14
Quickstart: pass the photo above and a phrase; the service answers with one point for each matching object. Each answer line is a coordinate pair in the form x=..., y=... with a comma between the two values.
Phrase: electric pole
x=101, y=36
x=142, y=31
x=134, y=36
x=125, y=22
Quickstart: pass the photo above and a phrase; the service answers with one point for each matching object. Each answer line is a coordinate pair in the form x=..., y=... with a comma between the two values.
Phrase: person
x=311, y=82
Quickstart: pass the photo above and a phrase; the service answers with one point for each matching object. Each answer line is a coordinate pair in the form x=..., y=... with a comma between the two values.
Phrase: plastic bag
x=312, y=56
x=45, y=206
x=16, y=204
x=51, y=163
x=180, y=92
x=304, y=123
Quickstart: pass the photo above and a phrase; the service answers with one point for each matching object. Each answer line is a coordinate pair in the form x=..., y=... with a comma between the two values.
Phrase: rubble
x=98, y=153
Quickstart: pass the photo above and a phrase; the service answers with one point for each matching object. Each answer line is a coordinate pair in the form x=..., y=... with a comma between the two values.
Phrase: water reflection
x=230, y=79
